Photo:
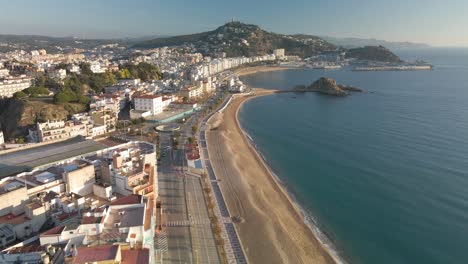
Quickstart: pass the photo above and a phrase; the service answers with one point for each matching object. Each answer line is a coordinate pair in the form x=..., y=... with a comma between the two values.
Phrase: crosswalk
x=187, y=222
x=161, y=241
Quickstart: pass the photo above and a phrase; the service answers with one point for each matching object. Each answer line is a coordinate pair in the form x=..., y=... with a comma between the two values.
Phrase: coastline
x=257, y=69
x=273, y=228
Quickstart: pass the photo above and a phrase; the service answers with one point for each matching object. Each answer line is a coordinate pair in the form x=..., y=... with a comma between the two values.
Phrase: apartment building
x=191, y=92
x=11, y=85
x=148, y=103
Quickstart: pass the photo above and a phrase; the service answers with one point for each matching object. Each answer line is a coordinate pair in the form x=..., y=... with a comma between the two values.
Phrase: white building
x=56, y=130
x=279, y=53
x=11, y=85
x=191, y=92
x=96, y=67
x=149, y=103
x=74, y=68
x=57, y=74
x=4, y=73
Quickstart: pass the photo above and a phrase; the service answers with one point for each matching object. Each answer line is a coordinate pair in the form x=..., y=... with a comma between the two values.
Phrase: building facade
x=11, y=85
x=149, y=103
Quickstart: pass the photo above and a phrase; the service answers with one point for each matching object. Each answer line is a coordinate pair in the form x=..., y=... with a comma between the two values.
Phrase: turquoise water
x=384, y=174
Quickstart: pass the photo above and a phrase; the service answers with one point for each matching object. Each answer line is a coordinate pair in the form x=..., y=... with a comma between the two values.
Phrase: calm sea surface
x=384, y=174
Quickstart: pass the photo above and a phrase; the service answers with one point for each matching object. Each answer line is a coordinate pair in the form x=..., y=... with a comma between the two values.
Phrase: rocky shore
x=328, y=86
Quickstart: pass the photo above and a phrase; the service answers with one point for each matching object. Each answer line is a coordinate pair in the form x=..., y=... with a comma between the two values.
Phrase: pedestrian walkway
x=188, y=222
x=232, y=246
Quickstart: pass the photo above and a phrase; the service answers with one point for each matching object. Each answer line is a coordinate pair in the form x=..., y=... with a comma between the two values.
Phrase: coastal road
x=187, y=234
x=203, y=242
x=174, y=241
x=27, y=159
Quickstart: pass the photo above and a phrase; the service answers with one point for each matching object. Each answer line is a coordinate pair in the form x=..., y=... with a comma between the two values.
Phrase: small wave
x=249, y=137
x=308, y=217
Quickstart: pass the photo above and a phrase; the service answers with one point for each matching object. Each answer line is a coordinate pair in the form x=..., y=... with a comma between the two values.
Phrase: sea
x=381, y=176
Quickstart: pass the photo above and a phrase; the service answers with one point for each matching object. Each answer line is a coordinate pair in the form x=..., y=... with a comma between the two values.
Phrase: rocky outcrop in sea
x=328, y=86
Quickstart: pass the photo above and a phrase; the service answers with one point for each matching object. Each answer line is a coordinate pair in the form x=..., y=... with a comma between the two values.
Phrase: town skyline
x=417, y=21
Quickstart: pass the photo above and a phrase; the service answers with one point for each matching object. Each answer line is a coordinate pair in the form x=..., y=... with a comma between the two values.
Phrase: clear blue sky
x=437, y=22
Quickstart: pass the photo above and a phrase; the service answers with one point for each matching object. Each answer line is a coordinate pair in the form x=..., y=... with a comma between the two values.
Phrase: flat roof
x=41, y=177
x=14, y=219
x=125, y=217
x=86, y=220
x=10, y=185
x=95, y=254
x=130, y=256
x=147, y=96
x=26, y=249
x=53, y=231
x=129, y=199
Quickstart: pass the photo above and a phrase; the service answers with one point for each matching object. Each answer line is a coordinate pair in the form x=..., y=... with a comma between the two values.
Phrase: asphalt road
x=25, y=160
x=187, y=235
x=175, y=242
x=203, y=243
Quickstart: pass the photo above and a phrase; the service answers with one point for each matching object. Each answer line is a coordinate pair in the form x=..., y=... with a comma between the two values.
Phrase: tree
x=124, y=74
x=86, y=68
x=191, y=140
x=35, y=91
x=20, y=140
x=194, y=129
x=19, y=95
x=66, y=96
x=143, y=71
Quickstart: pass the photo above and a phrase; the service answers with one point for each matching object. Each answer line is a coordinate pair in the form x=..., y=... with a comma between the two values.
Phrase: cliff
x=16, y=115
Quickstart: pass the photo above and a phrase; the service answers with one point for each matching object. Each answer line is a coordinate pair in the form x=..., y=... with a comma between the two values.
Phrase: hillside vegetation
x=239, y=39
x=373, y=53
x=17, y=114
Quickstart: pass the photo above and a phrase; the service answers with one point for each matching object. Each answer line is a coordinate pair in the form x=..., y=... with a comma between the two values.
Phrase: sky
x=435, y=22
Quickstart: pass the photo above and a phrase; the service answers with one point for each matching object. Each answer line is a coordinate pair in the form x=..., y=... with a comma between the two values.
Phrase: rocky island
x=328, y=86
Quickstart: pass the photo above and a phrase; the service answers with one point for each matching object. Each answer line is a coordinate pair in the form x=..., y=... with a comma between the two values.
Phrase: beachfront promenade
x=232, y=245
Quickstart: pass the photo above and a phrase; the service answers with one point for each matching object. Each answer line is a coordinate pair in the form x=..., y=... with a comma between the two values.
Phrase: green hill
x=239, y=39
x=373, y=53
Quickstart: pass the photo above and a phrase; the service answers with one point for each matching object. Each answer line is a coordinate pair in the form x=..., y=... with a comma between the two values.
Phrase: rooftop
x=86, y=220
x=14, y=219
x=38, y=178
x=140, y=256
x=10, y=185
x=130, y=199
x=126, y=217
x=95, y=254
x=26, y=249
x=147, y=96
x=53, y=231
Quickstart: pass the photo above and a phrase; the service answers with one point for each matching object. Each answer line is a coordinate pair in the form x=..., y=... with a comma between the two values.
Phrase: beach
x=257, y=69
x=271, y=228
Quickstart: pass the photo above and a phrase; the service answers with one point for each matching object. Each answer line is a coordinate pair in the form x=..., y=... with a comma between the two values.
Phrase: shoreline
x=265, y=201
x=257, y=69
x=317, y=233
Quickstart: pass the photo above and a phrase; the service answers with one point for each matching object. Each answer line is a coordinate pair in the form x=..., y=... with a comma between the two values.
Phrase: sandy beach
x=271, y=228
x=257, y=69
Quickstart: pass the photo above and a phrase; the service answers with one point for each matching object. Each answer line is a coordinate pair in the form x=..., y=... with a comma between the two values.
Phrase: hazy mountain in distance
x=361, y=42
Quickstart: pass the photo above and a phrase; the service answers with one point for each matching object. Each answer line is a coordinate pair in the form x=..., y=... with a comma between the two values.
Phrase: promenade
x=232, y=245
